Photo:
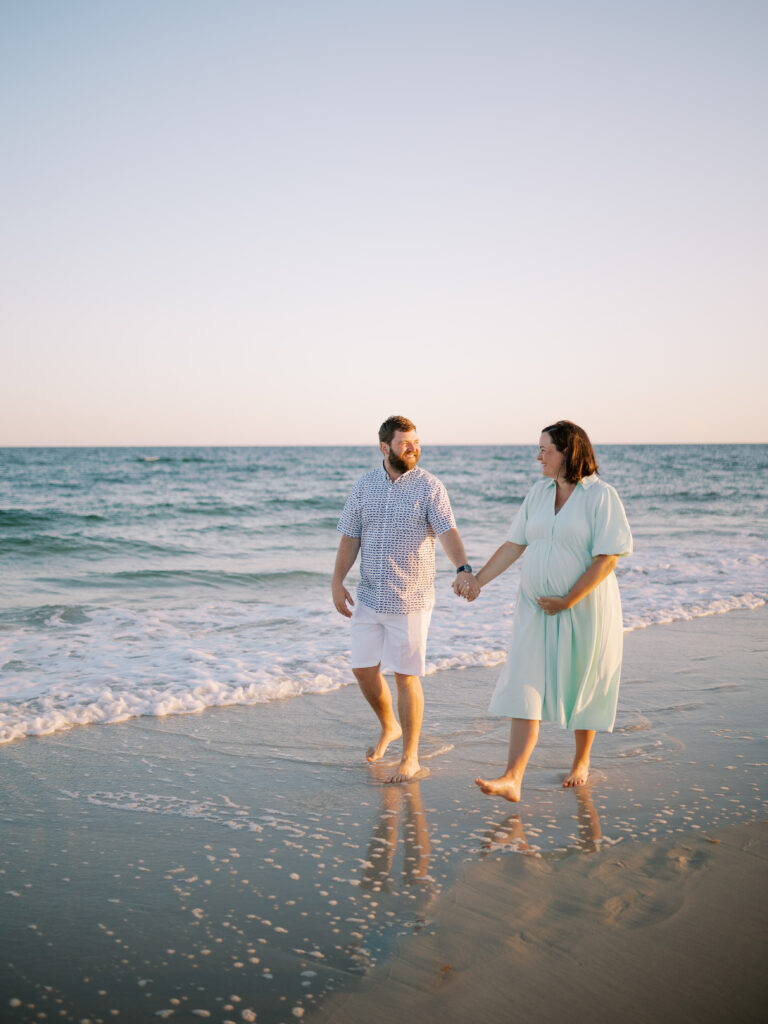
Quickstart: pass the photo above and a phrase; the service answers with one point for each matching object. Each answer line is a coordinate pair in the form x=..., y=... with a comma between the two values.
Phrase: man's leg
x=410, y=708
x=376, y=691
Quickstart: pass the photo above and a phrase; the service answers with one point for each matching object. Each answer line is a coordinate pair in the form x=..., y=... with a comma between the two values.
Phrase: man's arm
x=453, y=546
x=345, y=559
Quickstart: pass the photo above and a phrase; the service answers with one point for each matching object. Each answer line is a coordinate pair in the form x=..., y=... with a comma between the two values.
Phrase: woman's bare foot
x=387, y=736
x=408, y=769
x=504, y=786
x=508, y=833
x=578, y=774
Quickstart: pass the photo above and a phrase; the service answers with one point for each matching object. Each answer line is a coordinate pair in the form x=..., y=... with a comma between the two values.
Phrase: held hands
x=465, y=585
x=341, y=599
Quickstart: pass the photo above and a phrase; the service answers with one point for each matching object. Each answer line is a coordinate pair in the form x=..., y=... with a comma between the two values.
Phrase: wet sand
x=244, y=864
x=667, y=932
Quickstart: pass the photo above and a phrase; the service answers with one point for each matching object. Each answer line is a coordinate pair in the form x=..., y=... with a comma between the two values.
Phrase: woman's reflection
x=510, y=832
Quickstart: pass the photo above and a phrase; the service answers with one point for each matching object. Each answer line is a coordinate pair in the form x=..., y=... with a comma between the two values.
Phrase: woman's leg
x=579, y=772
x=523, y=735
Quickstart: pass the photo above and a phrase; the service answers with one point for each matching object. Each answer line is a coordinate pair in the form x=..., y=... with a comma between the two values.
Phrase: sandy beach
x=648, y=932
x=243, y=864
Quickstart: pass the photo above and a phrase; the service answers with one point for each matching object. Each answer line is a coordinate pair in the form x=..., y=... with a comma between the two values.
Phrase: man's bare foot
x=578, y=774
x=387, y=736
x=409, y=769
x=503, y=786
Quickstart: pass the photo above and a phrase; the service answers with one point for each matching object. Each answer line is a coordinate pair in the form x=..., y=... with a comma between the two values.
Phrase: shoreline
x=104, y=707
x=246, y=859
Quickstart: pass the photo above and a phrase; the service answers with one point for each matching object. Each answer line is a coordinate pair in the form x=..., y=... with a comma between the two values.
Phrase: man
x=393, y=515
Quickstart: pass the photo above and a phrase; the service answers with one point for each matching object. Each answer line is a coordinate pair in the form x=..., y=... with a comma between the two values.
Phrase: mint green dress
x=565, y=668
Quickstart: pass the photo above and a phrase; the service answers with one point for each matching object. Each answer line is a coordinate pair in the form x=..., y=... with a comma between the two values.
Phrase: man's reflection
x=399, y=805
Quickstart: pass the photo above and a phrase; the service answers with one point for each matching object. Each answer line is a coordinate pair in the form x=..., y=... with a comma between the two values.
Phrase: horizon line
x=365, y=444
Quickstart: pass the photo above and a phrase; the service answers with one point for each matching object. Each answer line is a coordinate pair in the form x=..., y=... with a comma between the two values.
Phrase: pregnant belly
x=551, y=569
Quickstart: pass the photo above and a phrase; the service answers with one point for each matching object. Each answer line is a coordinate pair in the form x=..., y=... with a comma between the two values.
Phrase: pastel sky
x=280, y=221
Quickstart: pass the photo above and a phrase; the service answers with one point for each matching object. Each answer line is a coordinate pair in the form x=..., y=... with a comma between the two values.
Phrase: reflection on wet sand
x=401, y=812
x=399, y=805
x=510, y=831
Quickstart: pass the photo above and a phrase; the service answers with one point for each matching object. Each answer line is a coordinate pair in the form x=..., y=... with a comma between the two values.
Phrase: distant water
x=164, y=581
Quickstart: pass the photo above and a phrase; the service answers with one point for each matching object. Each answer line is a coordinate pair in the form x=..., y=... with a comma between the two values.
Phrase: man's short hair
x=390, y=426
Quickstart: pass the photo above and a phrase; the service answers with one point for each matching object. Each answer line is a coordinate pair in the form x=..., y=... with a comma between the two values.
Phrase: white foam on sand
x=87, y=666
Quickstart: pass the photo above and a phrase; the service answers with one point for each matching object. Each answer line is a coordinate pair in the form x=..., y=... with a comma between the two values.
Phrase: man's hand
x=552, y=605
x=341, y=599
x=345, y=559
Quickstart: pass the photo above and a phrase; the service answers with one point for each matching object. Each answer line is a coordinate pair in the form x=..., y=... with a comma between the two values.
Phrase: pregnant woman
x=564, y=659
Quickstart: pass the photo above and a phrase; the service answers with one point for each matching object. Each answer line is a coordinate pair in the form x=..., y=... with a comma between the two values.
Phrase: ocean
x=163, y=581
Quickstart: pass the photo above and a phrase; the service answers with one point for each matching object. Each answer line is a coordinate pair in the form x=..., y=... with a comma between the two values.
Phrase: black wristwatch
x=464, y=568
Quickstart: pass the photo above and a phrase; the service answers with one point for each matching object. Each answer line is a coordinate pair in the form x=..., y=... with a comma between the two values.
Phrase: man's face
x=403, y=451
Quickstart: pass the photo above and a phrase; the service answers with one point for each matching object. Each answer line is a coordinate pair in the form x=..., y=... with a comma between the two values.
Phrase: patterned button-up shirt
x=397, y=522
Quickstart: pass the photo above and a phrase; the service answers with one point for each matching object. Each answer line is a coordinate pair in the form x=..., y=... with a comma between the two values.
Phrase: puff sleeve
x=519, y=525
x=610, y=530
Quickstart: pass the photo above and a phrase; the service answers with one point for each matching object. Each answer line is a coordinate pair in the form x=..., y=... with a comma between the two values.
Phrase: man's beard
x=400, y=465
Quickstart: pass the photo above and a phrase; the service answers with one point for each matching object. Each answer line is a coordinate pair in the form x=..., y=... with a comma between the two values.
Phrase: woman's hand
x=602, y=566
x=466, y=585
x=552, y=605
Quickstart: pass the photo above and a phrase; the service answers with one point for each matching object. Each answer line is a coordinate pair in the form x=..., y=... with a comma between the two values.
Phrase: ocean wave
x=181, y=578
x=684, y=612
x=42, y=615
x=112, y=704
x=201, y=508
x=99, y=666
x=42, y=545
x=152, y=600
x=172, y=459
x=307, y=502
x=22, y=518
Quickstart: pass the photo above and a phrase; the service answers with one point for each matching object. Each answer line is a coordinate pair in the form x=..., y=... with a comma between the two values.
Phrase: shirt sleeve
x=517, y=530
x=610, y=530
x=351, y=520
x=439, y=511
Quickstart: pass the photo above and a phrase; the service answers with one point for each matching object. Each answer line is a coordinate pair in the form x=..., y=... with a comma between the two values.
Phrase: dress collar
x=585, y=482
x=589, y=481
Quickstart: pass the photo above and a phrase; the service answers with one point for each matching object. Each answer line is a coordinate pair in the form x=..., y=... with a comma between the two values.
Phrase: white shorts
x=395, y=641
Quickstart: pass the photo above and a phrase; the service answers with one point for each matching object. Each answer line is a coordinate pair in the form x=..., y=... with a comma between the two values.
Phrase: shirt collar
x=388, y=478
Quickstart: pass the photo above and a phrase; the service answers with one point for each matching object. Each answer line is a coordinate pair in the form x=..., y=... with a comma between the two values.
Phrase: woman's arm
x=499, y=561
x=602, y=567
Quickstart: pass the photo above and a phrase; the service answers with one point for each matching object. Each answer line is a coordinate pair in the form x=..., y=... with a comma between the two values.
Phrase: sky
x=281, y=221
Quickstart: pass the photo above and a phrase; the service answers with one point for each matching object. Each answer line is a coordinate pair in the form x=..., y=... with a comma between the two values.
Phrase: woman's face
x=550, y=458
